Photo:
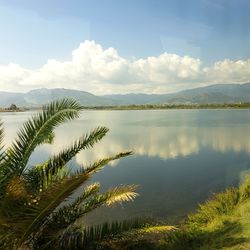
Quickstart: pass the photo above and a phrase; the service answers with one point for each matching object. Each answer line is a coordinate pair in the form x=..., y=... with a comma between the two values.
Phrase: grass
x=222, y=222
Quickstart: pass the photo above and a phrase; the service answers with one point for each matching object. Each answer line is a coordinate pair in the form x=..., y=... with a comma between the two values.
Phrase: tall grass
x=211, y=226
x=214, y=225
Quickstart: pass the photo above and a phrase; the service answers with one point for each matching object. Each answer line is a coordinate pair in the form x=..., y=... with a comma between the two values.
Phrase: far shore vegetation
x=241, y=105
x=172, y=106
x=12, y=108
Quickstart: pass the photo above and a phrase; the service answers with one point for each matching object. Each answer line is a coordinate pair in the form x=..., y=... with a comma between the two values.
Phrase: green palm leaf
x=92, y=237
x=89, y=201
x=1, y=133
x=68, y=214
x=53, y=165
x=34, y=132
x=52, y=197
x=112, y=196
x=46, y=173
x=38, y=129
x=1, y=141
x=35, y=210
x=98, y=165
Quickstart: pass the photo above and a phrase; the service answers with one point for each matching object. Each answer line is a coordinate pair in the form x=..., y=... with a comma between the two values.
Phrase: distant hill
x=219, y=93
x=35, y=98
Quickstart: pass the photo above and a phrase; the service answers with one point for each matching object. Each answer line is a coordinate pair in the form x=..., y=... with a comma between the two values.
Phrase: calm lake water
x=180, y=157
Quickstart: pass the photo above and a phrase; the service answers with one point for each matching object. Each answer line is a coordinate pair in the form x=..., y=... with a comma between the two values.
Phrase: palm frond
x=98, y=165
x=53, y=165
x=92, y=237
x=68, y=214
x=36, y=131
x=87, y=192
x=114, y=195
x=6, y=240
x=49, y=200
x=1, y=133
x=35, y=209
x=50, y=138
x=1, y=140
x=89, y=201
x=121, y=194
x=52, y=197
x=37, y=181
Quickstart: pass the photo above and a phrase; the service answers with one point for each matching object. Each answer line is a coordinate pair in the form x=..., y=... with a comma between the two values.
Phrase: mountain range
x=218, y=93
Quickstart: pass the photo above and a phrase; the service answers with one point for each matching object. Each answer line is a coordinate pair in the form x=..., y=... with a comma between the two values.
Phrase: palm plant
x=33, y=211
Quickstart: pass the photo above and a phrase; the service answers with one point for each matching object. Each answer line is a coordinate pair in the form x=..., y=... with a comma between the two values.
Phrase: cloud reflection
x=170, y=143
x=163, y=142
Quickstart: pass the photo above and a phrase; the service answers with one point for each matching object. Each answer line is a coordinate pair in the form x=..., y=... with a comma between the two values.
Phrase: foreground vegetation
x=37, y=210
x=220, y=223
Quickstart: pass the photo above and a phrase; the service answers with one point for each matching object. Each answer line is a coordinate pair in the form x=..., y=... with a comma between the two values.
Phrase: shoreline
x=147, y=107
x=120, y=108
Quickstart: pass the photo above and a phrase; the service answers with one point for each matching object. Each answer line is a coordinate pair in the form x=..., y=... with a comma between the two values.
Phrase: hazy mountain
x=38, y=97
x=6, y=98
x=220, y=93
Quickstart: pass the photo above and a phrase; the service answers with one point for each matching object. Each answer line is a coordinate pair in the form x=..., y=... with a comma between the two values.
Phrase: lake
x=180, y=158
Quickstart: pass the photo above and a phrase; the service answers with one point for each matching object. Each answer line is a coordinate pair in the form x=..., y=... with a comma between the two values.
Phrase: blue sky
x=37, y=30
x=208, y=30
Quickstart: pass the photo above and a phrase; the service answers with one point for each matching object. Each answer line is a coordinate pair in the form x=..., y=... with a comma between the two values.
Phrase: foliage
x=34, y=208
x=173, y=106
x=101, y=236
x=220, y=222
x=220, y=204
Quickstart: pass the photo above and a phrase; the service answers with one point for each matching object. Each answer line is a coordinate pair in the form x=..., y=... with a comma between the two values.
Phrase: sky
x=117, y=46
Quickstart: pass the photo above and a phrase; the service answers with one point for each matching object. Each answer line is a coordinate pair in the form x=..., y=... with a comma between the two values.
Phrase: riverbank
x=171, y=106
x=2, y=110
x=220, y=223
x=150, y=107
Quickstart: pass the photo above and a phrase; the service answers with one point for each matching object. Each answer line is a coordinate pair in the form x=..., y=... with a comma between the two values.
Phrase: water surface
x=180, y=157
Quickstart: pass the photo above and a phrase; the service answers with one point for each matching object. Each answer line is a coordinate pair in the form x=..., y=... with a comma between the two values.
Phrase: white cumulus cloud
x=103, y=71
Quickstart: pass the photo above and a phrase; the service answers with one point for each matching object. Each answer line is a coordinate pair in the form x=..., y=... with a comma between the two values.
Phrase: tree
x=13, y=107
x=33, y=211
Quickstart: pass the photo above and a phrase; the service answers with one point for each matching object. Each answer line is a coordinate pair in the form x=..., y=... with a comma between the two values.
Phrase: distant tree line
x=171, y=106
x=12, y=108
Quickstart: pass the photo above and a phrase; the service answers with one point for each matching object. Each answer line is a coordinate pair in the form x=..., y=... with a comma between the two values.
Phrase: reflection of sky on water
x=180, y=156
x=163, y=134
